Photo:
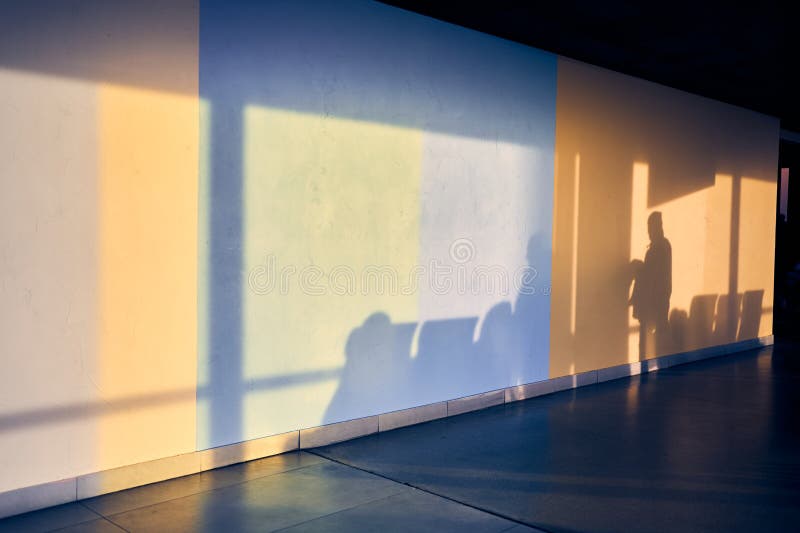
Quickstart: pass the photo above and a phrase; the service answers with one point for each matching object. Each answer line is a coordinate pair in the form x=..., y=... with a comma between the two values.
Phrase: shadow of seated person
x=376, y=372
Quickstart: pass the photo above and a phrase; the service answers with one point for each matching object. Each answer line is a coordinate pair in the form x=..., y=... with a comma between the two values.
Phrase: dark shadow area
x=787, y=243
x=652, y=287
x=701, y=318
x=371, y=62
x=752, y=309
x=224, y=336
x=444, y=360
x=67, y=412
x=104, y=42
x=708, y=318
x=382, y=373
x=725, y=323
x=376, y=372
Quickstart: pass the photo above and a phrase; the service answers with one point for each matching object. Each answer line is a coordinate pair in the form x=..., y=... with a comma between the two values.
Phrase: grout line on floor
x=119, y=526
x=293, y=469
x=99, y=517
x=59, y=528
x=80, y=502
x=341, y=510
x=413, y=486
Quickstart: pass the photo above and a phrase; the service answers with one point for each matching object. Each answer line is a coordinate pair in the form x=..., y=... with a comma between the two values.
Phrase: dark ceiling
x=741, y=54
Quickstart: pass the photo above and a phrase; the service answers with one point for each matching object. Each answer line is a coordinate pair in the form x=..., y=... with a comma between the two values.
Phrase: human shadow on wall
x=382, y=373
x=712, y=319
x=377, y=366
x=508, y=333
x=652, y=288
x=360, y=65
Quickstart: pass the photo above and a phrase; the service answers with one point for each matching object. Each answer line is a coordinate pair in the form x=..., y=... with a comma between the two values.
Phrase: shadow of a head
x=370, y=336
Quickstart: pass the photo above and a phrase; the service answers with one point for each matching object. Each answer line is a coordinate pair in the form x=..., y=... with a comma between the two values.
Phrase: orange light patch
x=148, y=168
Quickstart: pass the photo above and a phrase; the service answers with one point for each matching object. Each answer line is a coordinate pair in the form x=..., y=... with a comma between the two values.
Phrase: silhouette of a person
x=511, y=345
x=652, y=288
x=376, y=371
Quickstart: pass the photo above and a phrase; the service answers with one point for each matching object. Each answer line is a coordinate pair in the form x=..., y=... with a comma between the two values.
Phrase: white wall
x=98, y=194
x=198, y=208
x=354, y=138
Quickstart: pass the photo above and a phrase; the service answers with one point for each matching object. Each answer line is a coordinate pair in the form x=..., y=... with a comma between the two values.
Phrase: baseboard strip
x=95, y=484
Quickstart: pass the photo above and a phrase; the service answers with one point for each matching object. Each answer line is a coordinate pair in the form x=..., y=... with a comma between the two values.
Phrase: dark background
x=740, y=54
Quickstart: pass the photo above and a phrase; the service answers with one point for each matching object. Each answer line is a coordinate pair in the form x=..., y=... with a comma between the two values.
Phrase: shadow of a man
x=652, y=288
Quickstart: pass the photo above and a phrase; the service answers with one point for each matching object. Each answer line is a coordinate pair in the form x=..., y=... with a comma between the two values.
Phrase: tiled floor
x=712, y=446
x=294, y=492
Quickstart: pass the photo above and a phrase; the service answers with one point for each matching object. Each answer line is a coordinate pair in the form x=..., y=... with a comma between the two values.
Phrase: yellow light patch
x=757, y=226
x=148, y=168
x=335, y=195
x=698, y=228
x=646, y=148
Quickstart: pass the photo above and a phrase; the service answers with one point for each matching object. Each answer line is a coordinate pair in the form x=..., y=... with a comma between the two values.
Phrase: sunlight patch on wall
x=757, y=226
x=697, y=229
x=717, y=250
x=147, y=212
x=698, y=226
x=325, y=200
x=575, y=220
x=784, y=199
x=639, y=241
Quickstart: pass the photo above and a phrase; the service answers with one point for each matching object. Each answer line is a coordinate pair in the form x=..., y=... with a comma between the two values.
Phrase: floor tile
x=266, y=503
x=709, y=446
x=413, y=510
x=177, y=488
x=48, y=519
x=101, y=525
